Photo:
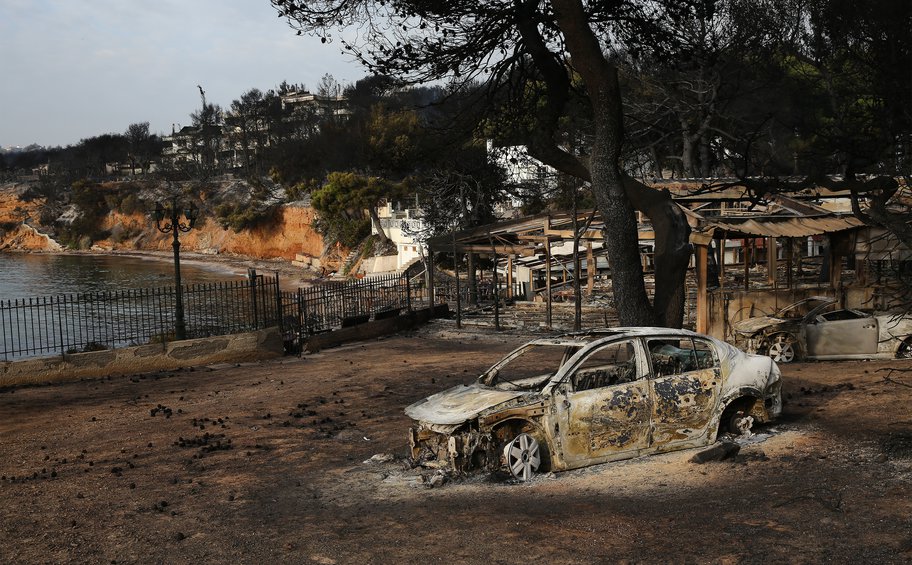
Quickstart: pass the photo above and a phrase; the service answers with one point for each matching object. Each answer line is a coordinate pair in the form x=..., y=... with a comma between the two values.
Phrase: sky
x=73, y=69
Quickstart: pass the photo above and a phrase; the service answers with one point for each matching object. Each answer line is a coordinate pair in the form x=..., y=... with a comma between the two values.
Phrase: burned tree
x=537, y=57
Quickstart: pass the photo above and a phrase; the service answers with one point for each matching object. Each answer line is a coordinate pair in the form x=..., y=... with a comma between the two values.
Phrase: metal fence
x=333, y=305
x=74, y=323
x=445, y=291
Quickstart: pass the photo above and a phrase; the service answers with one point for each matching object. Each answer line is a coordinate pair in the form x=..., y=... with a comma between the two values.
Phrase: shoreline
x=290, y=276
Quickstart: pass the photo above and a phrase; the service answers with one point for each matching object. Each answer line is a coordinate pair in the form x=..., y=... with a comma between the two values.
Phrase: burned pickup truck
x=590, y=397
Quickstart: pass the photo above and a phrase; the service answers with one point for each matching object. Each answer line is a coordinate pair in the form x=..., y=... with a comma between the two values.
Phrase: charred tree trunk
x=621, y=241
x=473, y=279
x=672, y=250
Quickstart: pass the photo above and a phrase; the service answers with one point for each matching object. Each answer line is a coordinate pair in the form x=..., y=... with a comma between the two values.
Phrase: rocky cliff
x=290, y=233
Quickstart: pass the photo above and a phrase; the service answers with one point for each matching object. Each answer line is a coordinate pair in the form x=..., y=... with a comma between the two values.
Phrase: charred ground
x=267, y=463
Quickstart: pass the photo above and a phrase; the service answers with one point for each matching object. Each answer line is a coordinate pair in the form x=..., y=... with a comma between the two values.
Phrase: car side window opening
x=841, y=315
x=610, y=365
x=674, y=356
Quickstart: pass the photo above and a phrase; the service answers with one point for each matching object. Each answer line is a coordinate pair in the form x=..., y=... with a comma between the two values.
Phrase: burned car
x=815, y=329
x=591, y=397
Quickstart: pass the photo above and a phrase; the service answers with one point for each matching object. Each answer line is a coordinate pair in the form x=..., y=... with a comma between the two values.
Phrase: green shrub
x=239, y=217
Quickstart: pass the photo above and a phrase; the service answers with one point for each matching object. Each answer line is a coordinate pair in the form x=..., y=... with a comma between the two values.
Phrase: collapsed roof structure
x=734, y=238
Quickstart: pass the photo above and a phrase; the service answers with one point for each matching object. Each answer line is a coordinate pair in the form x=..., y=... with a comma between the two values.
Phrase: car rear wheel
x=782, y=348
x=905, y=349
x=523, y=456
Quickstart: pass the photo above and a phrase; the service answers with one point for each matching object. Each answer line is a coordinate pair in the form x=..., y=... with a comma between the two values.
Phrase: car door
x=685, y=381
x=605, y=404
x=841, y=333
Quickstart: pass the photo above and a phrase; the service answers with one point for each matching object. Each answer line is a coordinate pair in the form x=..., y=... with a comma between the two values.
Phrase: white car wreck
x=814, y=329
x=591, y=397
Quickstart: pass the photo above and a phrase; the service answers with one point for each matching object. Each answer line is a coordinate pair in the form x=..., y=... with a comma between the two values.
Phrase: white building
x=402, y=227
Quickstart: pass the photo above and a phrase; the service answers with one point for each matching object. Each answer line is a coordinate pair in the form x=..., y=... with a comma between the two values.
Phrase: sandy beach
x=290, y=276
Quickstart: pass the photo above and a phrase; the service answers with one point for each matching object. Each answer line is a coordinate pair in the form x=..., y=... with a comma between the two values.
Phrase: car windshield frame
x=492, y=377
x=573, y=344
x=825, y=301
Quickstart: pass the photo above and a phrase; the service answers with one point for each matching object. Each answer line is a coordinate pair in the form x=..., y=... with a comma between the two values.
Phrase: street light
x=171, y=216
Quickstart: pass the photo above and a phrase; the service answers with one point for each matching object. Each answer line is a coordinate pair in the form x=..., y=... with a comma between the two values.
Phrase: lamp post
x=168, y=220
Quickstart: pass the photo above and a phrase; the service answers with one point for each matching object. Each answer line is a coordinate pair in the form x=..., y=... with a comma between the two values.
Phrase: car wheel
x=782, y=348
x=736, y=419
x=904, y=351
x=523, y=456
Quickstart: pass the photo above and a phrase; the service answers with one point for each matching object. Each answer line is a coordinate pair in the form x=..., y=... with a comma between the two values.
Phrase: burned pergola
x=536, y=244
x=534, y=248
x=792, y=221
x=533, y=244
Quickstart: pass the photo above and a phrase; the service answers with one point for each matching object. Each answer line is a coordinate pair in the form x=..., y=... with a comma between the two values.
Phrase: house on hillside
x=403, y=227
x=304, y=112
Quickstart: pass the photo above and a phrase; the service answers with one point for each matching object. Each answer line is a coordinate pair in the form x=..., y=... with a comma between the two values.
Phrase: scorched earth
x=300, y=460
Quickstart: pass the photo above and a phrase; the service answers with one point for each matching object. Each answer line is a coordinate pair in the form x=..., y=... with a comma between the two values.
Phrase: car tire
x=733, y=416
x=524, y=456
x=904, y=351
x=782, y=348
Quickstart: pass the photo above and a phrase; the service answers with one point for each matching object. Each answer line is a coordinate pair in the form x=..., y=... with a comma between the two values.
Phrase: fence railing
x=73, y=323
x=333, y=305
x=483, y=295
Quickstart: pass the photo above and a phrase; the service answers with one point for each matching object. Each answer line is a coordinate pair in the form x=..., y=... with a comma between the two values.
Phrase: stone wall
x=252, y=346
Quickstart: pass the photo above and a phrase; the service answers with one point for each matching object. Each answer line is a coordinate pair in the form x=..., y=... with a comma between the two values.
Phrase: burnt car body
x=591, y=397
x=815, y=329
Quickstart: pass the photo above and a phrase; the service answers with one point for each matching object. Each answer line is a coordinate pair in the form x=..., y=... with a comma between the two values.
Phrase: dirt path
x=266, y=463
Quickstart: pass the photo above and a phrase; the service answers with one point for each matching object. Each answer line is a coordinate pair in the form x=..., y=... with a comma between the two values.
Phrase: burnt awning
x=781, y=226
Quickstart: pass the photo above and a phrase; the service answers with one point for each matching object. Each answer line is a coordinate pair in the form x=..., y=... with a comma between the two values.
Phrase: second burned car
x=591, y=397
x=815, y=328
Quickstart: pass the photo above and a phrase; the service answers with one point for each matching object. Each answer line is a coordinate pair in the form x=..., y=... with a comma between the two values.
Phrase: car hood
x=459, y=404
x=754, y=325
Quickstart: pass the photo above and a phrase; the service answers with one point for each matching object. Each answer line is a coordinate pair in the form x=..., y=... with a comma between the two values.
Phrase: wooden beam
x=724, y=247
x=530, y=293
x=594, y=235
x=525, y=251
x=746, y=248
x=789, y=259
x=568, y=234
x=548, y=282
x=590, y=268
x=702, y=298
x=509, y=277
x=532, y=237
x=771, y=248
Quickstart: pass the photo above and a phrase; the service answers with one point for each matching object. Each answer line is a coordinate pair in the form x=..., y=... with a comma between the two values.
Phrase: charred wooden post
x=701, y=243
x=590, y=267
x=745, y=251
x=547, y=280
x=771, y=264
x=789, y=260
x=510, y=276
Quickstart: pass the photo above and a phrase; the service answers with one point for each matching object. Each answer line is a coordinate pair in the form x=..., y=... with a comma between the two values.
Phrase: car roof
x=588, y=336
